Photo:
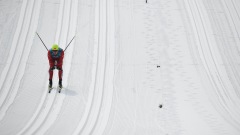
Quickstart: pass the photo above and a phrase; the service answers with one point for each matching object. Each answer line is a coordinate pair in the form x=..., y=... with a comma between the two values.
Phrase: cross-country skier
x=55, y=57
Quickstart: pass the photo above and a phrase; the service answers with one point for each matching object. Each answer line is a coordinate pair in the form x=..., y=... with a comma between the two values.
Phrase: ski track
x=45, y=104
x=14, y=70
x=224, y=97
x=234, y=21
x=99, y=104
x=51, y=103
x=89, y=106
x=201, y=40
x=209, y=59
x=234, y=68
x=236, y=34
x=106, y=101
x=97, y=109
x=232, y=94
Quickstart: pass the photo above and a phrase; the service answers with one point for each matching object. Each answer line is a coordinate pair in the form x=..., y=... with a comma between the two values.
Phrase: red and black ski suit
x=55, y=61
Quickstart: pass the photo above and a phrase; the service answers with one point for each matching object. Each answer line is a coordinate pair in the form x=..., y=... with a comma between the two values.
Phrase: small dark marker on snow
x=158, y=66
x=160, y=106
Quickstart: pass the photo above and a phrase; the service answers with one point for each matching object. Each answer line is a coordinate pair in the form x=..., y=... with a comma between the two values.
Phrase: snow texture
x=135, y=67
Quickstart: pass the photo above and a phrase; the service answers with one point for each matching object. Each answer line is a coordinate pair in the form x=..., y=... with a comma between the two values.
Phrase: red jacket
x=58, y=57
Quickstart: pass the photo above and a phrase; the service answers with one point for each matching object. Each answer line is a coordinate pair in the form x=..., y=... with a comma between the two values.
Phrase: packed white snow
x=135, y=67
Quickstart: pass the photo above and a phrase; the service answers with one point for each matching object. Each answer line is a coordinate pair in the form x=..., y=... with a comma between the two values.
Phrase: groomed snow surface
x=165, y=67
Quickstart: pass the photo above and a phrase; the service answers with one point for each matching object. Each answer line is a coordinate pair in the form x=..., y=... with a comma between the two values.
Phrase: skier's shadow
x=69, y=92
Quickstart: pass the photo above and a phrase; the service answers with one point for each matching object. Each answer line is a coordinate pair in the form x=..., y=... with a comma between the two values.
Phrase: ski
x=59, y=89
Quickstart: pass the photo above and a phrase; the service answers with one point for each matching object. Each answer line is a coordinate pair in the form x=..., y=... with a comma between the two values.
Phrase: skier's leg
x=60, y=73
x=50, y=76
x=50, y=82
x=60, y=83
x=51, y=73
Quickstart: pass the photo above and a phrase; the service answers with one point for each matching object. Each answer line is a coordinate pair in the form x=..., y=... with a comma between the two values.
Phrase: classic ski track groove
x=16, y=56
x=33, y=120
x=37, y=113
x=207, y=69
x=108, y=87
x=13, y=47
x=45, y=100
x=52, y=99
x=49, y=111
x=89, y=107
x=234, y=21
x=11, y=58
x=213, y=76
x=27, y=128
x=94, y=108
x=234, y=68
x=200, y=42
x=104, y=72
x=232, y=18
x=231, y=110
x=72, y=8
x=221, y=90
x=99, y=104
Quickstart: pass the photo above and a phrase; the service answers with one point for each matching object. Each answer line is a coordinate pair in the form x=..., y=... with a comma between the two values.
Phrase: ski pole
x=69, y=43
x=42, y=41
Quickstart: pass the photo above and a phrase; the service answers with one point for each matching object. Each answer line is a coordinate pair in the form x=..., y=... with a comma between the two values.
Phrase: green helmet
x=55, y=47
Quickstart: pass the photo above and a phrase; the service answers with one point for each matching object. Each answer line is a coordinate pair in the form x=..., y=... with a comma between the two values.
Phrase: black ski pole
x=69, y=43
x=42, y=41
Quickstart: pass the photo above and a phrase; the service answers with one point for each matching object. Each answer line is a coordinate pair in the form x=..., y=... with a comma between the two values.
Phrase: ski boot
x=50, y=86
x=60, y=85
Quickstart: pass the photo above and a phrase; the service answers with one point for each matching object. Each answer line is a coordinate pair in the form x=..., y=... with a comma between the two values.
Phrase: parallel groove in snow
x=37, y=114
x=230, y=62
x=106, y=102
x=209, y=59
x=20, y=49
x=89, y=104
x=95, y=119
x=50, y=104
x=224, y=97
x=45, y=105
x=236, y=22
x=102, y=73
